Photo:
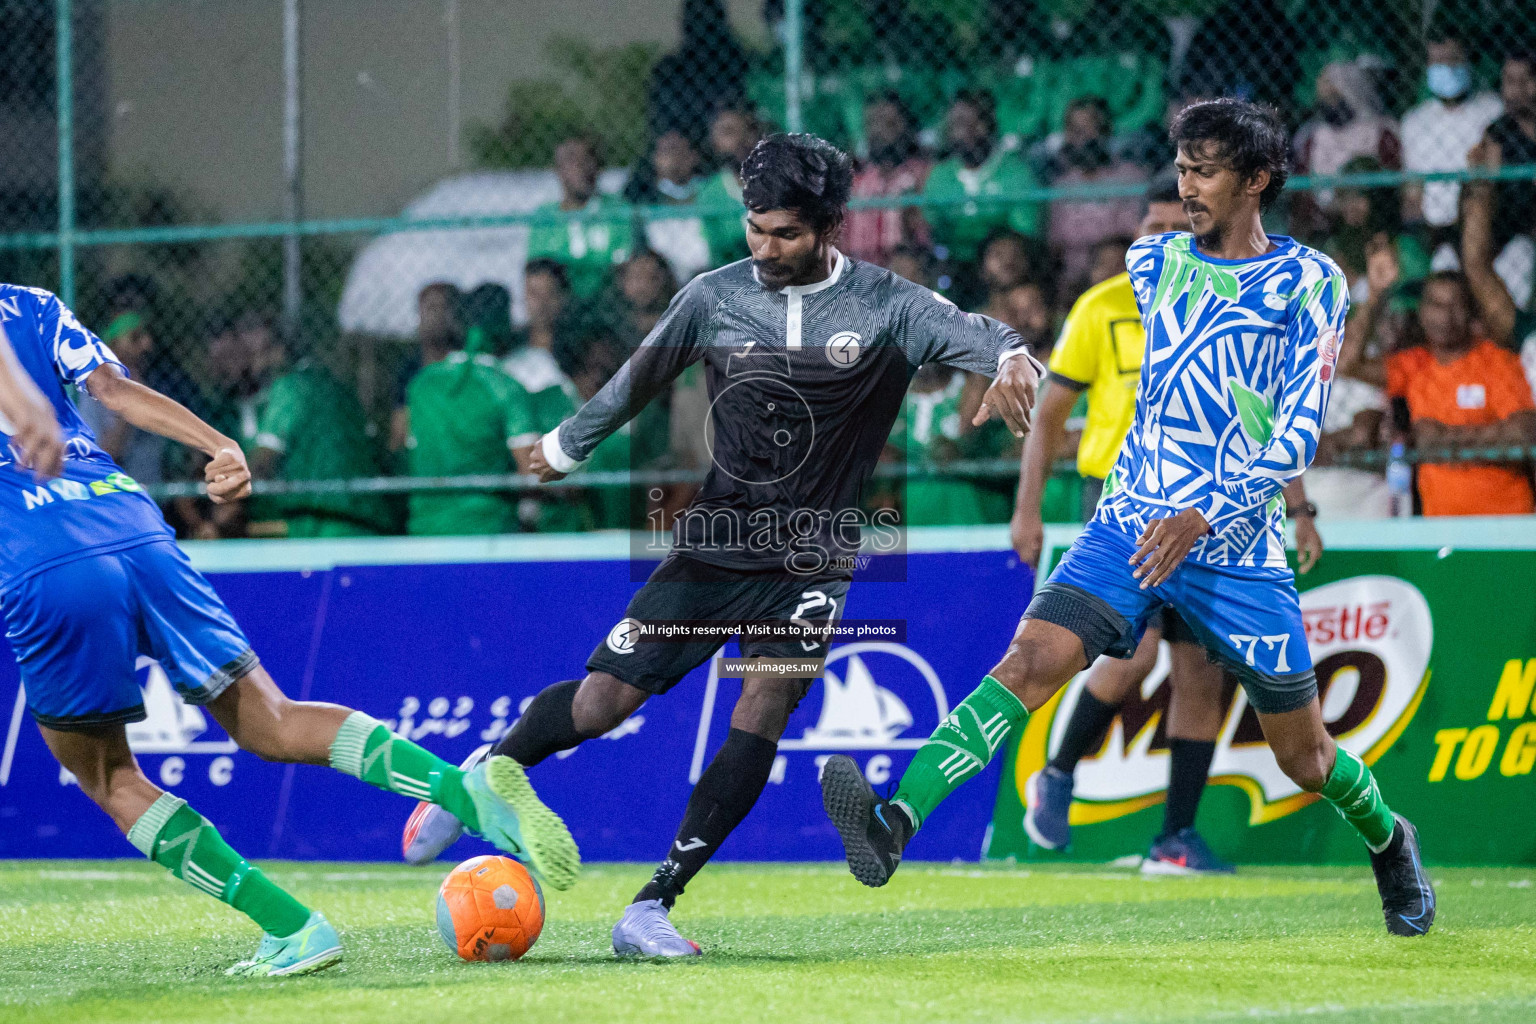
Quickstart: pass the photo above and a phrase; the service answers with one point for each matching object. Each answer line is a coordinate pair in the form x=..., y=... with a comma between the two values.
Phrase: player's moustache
x=1191, y=207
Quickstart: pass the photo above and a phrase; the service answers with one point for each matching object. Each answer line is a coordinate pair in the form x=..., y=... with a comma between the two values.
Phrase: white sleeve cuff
x=555, y=455
x=1009, y=353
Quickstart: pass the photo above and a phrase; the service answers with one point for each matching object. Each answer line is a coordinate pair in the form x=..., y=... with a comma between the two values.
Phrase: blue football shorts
x=1247, y=618
x=78, y=629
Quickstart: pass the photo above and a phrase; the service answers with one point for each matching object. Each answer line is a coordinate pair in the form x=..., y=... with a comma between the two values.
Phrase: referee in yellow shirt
x=1100, y=352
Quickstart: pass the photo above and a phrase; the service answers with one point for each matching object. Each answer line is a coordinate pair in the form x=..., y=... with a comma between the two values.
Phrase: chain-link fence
x=280, y=211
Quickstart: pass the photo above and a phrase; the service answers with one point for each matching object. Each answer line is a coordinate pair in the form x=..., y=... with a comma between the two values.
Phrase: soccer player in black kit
x=808, y=354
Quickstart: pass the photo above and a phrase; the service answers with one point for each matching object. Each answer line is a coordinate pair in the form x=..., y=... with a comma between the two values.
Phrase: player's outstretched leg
x=1042, y=657
x=1313, y=761
x=492, y=799
x=430, y=830
x=546, y=727
x=169, y=832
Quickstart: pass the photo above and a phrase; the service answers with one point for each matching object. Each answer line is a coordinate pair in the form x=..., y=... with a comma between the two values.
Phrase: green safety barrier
x=394, y=225
x=969, y=469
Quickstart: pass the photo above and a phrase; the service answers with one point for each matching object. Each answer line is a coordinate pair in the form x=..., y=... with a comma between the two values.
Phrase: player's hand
x=36, y=432
x=1028, y=535
x=227, y=475
x=539, y=466
x=1012, y=395
x=1164, y=544
x=1309, y=544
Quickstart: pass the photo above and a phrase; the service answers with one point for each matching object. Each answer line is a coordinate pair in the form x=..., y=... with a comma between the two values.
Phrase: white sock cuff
x=144, y=831
x=1382, y=848
x=351, y=742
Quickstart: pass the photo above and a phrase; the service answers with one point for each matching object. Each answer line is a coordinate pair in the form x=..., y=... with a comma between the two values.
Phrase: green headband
x=123, y=323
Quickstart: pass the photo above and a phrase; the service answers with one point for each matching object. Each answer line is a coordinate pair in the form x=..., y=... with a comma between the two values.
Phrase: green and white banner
x=1423, y=635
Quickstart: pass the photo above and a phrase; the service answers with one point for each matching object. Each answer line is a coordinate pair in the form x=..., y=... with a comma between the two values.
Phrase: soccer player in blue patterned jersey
x=1242, y=332
x=91, y=578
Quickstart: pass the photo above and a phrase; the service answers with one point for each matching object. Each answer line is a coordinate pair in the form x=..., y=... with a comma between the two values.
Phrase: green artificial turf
x=122, y=941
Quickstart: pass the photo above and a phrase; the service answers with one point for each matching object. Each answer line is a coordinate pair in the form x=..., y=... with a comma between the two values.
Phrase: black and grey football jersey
x=804, y=384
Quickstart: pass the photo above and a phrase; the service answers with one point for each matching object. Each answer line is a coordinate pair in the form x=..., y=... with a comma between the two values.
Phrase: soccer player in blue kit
x=91, y=578
x=1243, y=329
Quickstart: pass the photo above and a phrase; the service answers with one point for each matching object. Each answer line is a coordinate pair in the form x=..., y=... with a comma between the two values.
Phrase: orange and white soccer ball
x=490, y=908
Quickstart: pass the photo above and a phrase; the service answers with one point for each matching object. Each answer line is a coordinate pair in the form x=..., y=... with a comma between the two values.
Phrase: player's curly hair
x=798, y=172
x=1248, y=137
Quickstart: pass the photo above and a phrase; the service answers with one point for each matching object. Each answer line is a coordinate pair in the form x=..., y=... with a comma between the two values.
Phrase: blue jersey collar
x=1283, y=246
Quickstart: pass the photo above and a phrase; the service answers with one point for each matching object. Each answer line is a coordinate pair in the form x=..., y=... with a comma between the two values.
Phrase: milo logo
x=1370, y=639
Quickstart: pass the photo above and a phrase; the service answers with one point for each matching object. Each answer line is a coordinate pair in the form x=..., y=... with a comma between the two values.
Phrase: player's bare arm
x=227, y=475
x=1050, y=424
x=35, y=431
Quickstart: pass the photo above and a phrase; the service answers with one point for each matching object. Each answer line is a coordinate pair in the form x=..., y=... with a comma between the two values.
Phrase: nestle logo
x=1347, y=622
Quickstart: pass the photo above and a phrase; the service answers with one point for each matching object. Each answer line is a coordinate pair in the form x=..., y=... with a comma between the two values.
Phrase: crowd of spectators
x=1440, y=351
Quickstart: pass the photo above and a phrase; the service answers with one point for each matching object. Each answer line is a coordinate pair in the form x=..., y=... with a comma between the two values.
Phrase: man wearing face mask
x=1350, y=122
x=1438, y=132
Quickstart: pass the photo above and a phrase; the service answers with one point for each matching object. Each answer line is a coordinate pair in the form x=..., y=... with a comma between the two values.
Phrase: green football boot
x=514, y=818
x=312, y=948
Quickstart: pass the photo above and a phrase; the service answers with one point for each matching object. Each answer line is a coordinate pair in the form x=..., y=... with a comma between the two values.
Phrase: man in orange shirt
x=1464, y=391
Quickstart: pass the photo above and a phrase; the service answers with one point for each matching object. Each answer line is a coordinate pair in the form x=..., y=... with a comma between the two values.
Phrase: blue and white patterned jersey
x=93, y=506
x=1233, y=389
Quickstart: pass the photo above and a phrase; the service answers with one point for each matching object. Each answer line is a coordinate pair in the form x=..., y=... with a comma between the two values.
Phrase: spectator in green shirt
x=934, y=428
x=466, y=415
x=733, y=132
x=969, y=186
x=531, y=360
x=488, y=320
x=311, y=427
x=440, y=315
x=551, y=396
x=589, y=244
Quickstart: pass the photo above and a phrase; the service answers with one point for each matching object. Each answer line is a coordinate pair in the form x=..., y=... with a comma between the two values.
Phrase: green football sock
x=183, y=842
x=959, y=748
x=365, y=749
x=1354, y=794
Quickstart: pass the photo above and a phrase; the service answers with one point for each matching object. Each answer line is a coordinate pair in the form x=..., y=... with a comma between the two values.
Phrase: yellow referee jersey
x=1100, y=350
